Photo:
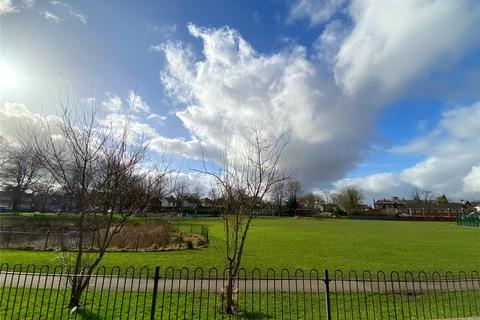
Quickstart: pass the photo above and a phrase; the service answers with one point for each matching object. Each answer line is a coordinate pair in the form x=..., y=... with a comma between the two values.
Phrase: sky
x=380, y=94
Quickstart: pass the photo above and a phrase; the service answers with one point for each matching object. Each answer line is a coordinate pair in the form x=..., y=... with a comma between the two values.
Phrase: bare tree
x=4, y=151
x=44, y=188
x=416, y=195
x=313, y=202
x=278, y=195
x=19, y=174
x=293, y=188
x=428, y=196
x=160, y=182
x=246, y=176
x=106, y=174
x=349, y=198
x=181, y=193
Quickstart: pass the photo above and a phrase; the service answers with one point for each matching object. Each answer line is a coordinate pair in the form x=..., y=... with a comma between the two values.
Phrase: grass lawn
x=50, y=304
x=307, y=243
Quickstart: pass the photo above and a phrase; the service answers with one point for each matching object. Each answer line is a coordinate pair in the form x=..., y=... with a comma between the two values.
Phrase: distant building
x=206, y=203
x=6, y=201
x=424, y=209
x=169, y=203
x=393, y=203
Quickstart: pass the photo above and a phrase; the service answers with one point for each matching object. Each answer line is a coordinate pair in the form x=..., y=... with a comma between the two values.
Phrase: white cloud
x=139, y=132
x=29, y=4
x=113, y=102
x=166, y=31
x=233, y=88
x=191, y=149
x=451, y=166
x=316, y=11
x=89, y=101
x=136, y=103
x=471, y=182
x=16, y=120
x=6, y=6
x=61, y=11
x=394, y=43
x=387, y=46
x=159, y=119
x=51, y=16
x=386, y=184
x=329, y=41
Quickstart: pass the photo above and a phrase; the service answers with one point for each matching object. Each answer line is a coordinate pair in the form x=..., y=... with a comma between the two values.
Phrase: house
x=432, y=209
x=393, y=203
x=6, y=199
x=169, y=203
x=422, y=208
x=188, y=204
x=206, y=203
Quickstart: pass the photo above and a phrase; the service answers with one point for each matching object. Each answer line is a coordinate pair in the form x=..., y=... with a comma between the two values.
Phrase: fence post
x=326, y=280
x=138, y=239
x=154, y=295
x=46, y=241
x=93, y=240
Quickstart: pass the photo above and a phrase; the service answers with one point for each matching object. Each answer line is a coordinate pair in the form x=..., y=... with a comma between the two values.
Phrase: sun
x=8, y=76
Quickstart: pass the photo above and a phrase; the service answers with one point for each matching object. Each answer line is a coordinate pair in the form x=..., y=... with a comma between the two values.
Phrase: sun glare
x=8, y=77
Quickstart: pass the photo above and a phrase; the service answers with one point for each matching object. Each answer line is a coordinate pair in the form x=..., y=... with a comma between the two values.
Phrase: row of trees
x=426, y=196
x=288, y=198
x=99, y=165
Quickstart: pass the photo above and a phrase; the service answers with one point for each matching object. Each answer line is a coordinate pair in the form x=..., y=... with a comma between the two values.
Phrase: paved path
x=107, y=282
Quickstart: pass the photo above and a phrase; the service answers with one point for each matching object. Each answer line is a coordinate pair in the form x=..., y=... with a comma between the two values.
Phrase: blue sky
x=390, y=75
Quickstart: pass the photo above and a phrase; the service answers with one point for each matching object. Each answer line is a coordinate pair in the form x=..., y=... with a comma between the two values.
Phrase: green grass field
x=50, y=304
x=307, y=243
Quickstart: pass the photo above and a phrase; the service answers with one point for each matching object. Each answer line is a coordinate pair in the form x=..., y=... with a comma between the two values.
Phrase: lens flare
x=8, y=77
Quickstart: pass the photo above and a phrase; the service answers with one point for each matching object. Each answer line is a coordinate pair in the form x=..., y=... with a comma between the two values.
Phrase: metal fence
x=69, y=240
x=43, y=293
x=469, y=220
x=192, y=228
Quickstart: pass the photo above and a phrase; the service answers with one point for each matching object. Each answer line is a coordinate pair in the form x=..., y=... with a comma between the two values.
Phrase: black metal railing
x=10, y=239
x=200, y=229
x=43, y=293
x=469, y=220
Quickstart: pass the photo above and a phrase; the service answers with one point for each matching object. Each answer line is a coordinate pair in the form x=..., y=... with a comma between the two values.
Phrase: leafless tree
x=313, y=202
x=181, y=193
x=294, y=187
x=428, y=196
x=104, y=171
x=278, y=195
x=20, y=172
x=4, y=151
x=416, y=195
x=246, y=175
x=349, y=198
x=44, y=188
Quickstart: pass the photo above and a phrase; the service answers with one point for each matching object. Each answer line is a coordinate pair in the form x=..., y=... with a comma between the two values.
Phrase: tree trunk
x=229, y=295
x=44, y=203
x=16, y=199
x=76, y=293
x=76, y=286
x=230, y=289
